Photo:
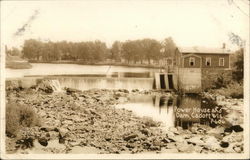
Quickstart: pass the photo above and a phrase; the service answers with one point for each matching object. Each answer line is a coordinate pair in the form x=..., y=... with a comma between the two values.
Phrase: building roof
x=203, y=50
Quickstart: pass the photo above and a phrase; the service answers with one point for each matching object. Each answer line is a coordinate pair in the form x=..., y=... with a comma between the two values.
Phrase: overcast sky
x=189, y=23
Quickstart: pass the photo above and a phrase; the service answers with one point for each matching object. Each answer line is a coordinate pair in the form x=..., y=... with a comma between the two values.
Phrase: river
x=183, y=111
x=39, y=69
x=177, y=111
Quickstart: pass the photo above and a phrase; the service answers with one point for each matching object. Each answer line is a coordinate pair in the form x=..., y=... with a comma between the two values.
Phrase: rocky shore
x=88, y=122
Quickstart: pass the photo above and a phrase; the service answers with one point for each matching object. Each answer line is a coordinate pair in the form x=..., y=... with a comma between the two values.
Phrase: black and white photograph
x=92, y=79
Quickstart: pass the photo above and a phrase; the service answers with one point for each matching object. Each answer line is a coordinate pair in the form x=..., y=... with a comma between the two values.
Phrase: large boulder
x=45, y=86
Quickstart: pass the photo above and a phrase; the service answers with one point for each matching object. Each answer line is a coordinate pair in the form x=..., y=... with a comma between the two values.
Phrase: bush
x=18, y=116
x=222, y=81
x=233, y=90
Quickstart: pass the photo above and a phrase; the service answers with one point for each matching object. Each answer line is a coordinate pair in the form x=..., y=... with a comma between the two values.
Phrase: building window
x=191, y=61
x=221, y=62
x=208, y=61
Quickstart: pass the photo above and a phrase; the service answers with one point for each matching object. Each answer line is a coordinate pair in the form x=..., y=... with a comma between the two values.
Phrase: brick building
x=201, y=57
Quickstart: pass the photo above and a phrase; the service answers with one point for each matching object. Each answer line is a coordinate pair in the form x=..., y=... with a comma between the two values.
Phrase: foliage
x=233, y=90
x=222, y=81
x=169, y=47
x=53, y=51
x=116, y=51
x=130, y=51
x=13, y=52
x=140, y=50
x=18, y=116
x=238, y=66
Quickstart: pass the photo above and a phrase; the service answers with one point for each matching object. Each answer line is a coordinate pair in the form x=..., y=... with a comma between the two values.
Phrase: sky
x=190, y=23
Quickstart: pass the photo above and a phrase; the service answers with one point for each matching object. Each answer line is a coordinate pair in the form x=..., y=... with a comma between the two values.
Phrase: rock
x=131, y=136
x=70, y=91
x=45, y=86
x=170, y=134
x=122, y=99
x=155, y=148
x=211, y=142
x=224, y=144
x=42, y=113
x=43, y=141
x=146, y=145
x=217, y=131
x=197, y=149
x=198, y=129
x=135, y=90
x=195, y=140
x=228, y=130
x=130, y=145
x=184, y=147
x=178, y=138
x=236, y=128
x=166, y=140
x=149, y=122
x=234, y=137
x=145, y=132
x=75, y=143
x=47, y=128
x=238, y=149
x=63, y=132
x=68, y=122
x=173, y=129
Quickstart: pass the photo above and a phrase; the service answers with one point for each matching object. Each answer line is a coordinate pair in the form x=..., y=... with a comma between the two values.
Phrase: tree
x=32, y=49
x=168, y=47
x=151, y=48
x=116, y=51
x=127, y=50
x=238, y=68
x=14, y=52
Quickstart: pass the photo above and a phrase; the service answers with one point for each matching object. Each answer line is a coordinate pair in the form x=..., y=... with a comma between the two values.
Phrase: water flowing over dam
x=56, y=86
x=85, y=83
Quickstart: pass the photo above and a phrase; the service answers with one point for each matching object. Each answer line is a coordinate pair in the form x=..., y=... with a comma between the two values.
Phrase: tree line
x=131, y=51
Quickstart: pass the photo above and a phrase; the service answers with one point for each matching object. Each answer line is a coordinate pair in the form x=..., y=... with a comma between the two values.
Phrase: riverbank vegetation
x=231, y=86
x=142, y=51
x=19, y=116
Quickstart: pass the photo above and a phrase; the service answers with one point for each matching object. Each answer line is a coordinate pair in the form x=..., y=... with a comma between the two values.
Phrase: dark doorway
x=170, y=81
x=162, y=81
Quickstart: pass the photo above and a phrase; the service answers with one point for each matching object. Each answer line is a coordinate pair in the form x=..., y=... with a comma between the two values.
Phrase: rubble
x=89, y=120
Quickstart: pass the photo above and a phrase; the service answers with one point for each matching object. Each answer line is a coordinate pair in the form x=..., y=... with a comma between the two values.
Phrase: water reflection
x=175, y=111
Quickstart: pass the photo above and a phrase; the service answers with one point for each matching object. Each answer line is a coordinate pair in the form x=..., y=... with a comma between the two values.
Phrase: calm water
x=176, y=111
x=80, y=70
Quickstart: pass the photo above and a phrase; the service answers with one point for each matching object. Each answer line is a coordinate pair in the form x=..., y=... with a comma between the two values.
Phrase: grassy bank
x=18, y=65
x=15, y=62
